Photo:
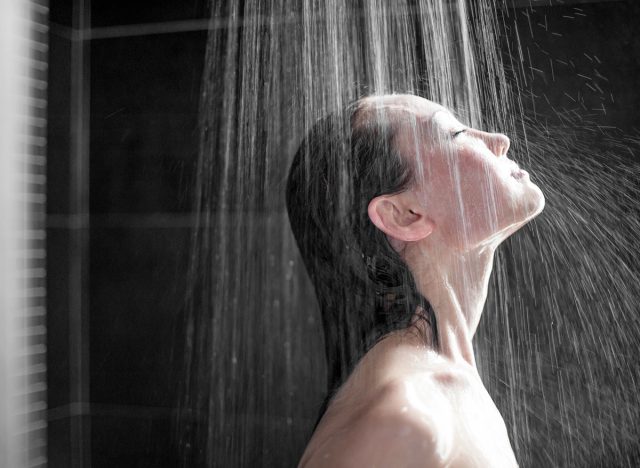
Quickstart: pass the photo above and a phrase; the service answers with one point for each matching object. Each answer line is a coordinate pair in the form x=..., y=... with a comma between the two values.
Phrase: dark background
x=124, y=86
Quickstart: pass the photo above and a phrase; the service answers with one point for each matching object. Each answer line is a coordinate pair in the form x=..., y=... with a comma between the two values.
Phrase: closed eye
x=455, y=134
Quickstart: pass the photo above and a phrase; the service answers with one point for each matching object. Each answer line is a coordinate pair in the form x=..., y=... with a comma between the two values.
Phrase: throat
x=456, y=286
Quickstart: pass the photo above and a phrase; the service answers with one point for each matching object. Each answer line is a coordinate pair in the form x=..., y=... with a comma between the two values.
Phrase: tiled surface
x=59, y=443
x=58, y=125
x=143, y=163
x=61, y=12
x=58, y=317
x=132, y=441
x=145, y=94
x=138, y=286
x=118, y=12
x=148, y=74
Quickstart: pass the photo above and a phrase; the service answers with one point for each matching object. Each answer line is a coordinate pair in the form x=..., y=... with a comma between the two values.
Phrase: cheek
x=480, y=183
x=484, y=197
x=464, y=188
x=459, y=191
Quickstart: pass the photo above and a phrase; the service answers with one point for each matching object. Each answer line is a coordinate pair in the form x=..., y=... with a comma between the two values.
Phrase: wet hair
x=364, y=288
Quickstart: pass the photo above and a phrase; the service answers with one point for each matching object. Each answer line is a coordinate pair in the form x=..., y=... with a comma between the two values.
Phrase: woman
x=397, y=209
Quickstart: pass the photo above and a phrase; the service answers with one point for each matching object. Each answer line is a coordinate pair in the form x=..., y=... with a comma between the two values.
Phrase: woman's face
x=465, y=181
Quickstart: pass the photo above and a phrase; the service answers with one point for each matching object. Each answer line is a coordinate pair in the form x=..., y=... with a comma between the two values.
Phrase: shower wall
x=124, y=86
x=579, y=58
x=124, y=94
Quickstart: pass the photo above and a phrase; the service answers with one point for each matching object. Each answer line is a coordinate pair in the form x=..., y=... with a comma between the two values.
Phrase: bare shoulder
x=392, y=430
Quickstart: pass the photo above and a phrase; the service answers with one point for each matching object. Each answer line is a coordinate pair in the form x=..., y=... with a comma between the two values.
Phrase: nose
x=497, y=143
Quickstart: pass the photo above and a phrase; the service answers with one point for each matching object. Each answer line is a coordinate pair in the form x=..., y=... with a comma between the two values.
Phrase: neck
x=455, y=284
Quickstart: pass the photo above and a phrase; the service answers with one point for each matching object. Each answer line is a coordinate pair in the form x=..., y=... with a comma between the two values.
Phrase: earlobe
x=389, y=214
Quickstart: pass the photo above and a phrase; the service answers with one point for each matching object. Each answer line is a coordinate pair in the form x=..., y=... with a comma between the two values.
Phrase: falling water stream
x=557, y=344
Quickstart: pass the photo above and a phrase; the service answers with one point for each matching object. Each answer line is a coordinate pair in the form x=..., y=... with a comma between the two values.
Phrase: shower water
x=555, y=344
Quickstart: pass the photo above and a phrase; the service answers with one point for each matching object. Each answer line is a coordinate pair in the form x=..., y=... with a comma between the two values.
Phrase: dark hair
x=364, y=288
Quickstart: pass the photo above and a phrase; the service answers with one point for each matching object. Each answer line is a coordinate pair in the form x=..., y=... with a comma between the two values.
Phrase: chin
x=525, y=204
x=530, y=205
x=534, y=203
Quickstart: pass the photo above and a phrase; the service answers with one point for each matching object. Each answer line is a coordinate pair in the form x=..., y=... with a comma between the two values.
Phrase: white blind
x=23, y=88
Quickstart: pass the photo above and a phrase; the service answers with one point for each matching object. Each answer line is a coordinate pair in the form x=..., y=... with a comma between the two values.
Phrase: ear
x=400, y=219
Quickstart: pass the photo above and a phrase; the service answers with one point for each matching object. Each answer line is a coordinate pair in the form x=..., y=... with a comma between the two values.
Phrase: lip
x=518, y=173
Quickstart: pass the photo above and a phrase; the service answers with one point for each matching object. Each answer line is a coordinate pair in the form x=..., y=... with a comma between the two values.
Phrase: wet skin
x=407, y=404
